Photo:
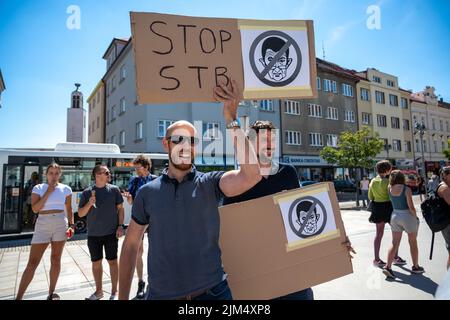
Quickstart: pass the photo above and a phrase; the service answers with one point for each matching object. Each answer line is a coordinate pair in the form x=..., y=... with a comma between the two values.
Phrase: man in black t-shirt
x=276, y=177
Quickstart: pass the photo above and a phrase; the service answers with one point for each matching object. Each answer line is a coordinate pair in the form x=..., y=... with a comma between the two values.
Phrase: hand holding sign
x=230, y=95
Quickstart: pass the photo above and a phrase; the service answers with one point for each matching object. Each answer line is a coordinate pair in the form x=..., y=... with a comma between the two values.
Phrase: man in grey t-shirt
x=103, y=205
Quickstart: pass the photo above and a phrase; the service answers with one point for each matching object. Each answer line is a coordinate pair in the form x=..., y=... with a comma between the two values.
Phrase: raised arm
x=236, y=182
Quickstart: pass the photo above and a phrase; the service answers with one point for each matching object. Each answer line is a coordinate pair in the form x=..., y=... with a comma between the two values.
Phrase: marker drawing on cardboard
x=308, y=219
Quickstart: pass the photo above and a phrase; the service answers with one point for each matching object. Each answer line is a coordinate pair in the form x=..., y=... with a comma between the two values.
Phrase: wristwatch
x=234, y=124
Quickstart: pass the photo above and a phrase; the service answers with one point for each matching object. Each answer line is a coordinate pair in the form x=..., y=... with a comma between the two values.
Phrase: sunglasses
x=176, y=139
x=106, y=173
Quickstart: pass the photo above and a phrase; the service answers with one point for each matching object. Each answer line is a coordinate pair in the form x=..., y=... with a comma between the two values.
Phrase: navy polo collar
x=190, y=176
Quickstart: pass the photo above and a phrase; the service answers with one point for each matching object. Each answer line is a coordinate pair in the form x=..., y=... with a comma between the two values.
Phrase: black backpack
x=435, y=211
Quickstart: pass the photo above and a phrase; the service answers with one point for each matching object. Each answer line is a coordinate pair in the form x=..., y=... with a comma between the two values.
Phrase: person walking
x=381, y=209
x=54, y=225
x=102, y=203
x=364, y=186
x=443, y=191
x=404, y=218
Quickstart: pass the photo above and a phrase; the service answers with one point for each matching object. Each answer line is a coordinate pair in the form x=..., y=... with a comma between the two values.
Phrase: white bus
x=21, y=169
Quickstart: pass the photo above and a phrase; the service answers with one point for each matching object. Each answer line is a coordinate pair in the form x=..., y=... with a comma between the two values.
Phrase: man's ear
x=262, y=62
x=289, y=62
x=165, y=143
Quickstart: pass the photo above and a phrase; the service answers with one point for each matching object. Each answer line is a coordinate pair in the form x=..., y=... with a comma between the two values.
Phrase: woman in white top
x=364, y=185
x=52, y=226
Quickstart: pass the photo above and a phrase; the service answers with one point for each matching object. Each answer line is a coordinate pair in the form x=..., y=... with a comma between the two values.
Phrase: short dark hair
x=383, y=166
x=445, y=170
x=397, y=177
x=258, y=125
x=143, y=161
x=275, y=44
x=97, y=169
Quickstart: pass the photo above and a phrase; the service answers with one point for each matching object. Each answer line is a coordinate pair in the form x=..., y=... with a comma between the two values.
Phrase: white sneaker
x=113, y=296
x=95, y=297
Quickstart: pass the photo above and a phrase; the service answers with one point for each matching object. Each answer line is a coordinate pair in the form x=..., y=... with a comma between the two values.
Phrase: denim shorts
x=220, y=291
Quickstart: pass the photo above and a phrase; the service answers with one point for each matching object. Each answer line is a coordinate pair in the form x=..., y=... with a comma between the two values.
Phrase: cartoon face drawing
x=302, y=211
x=270, y=47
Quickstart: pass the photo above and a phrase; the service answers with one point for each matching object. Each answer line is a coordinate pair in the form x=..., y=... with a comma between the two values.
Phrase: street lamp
x=387, y=147
x=420, y=128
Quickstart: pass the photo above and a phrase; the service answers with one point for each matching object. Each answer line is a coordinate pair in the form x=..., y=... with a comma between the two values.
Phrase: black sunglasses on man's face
x=177, y=139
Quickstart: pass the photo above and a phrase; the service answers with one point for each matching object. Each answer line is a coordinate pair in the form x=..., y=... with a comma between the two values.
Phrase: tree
x=354, y=150
x=447, y=152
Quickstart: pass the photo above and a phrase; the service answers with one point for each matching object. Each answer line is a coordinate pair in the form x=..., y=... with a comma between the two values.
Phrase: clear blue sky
x=41, y=59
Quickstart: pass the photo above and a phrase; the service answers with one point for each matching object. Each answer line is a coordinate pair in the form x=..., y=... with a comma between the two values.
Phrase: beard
x=180, y=163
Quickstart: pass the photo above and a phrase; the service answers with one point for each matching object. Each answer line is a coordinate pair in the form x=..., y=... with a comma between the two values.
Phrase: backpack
x=434, y=211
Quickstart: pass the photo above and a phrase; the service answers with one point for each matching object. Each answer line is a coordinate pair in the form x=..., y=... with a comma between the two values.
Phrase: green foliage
x=354, y=150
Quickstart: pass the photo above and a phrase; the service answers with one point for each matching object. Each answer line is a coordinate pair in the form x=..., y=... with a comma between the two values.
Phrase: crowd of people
x=179, y=211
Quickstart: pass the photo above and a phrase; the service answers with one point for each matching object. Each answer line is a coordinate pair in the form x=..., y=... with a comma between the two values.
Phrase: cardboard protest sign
x=283, y=243
x=181, y=59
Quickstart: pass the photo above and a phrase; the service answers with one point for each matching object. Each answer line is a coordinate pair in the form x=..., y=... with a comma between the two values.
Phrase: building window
x=113, y=113
x=435, y=146
x=433, y=123
x=98, y=122
x=443, y=146
x=441, y=125
x=406, y=124
x=318, y=83
x=266, y=105
x=379, y=97
x=404, y=103
x=332, y=140
x=107, y=116
x=395, y=123
x=448, y=128
x=315, y=110
x=366, y=118
x=210, y=131
x=397, y=145
x=393, y=100
x=376, y=79
x=92, y=126
x=326, y=85
x=123, y=73
x=139, y=130
x=408, y=146
x=349, y=116
x=390, y=83
x=122, y=106
x=113, y=83
x=334, y=86
x=293, y=137
x=89, y=129
x=315, y=139
x=122, y=138
x=162, y=127
x=365, y=94
x=332, y=113
x=417, y=145
x=425, y=146
x=347, y=90
x=292, y=107
x=113, y=139
x=381, y=120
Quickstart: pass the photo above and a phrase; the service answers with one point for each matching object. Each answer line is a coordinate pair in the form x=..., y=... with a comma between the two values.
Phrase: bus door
x=12, y=185
x=32, y=177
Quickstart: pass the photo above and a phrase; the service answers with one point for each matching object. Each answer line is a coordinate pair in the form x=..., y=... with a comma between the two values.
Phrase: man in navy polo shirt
x=181, y=209
x=276, y=177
